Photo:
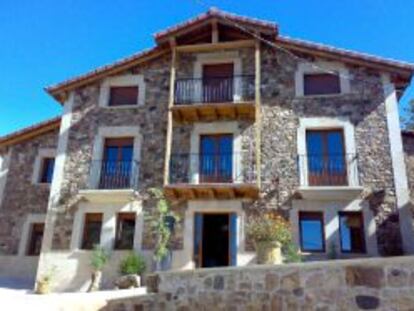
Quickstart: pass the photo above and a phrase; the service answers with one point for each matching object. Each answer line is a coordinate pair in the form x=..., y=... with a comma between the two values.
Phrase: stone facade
x=22, y=196
x=88, y=117
x=368, y=284
x=281, y=111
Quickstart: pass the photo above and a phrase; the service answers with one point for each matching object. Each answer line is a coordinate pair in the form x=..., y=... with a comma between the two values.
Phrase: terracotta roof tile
x=213, y=12
x=54, y=90
x=346, y=53
x=121, y=62
x=40, y=127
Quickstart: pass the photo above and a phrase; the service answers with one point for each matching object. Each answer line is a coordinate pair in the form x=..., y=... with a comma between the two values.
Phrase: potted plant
x=43, y=284
x=162, y=223
x=270, y=232
x=99, y=259
x=131, y=268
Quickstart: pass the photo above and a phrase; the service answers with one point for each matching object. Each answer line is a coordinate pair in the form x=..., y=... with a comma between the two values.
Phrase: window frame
x=362, y=232
x=84, y=230
x=118, y=230
x=39, y=163
x=316, y=123
x=324, y=132
x=322, y=221
x=314, y=74
x=30, y=247
x=113, y=87
x=122, y=81
x=43, y=176
x=321, y=67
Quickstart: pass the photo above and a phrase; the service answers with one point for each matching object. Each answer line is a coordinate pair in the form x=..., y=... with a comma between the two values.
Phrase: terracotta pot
x=268, y=252
x=42, y=287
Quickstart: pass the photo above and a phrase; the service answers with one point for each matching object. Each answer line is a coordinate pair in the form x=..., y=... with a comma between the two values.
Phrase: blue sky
x=44, y=42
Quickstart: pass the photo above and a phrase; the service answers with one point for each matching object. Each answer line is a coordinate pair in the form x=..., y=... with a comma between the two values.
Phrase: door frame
x=199, y=262
x=215, y=206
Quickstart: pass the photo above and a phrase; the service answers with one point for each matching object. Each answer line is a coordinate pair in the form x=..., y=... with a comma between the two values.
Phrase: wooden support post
x=170, y=118
x=214, y=32
x=258, y=112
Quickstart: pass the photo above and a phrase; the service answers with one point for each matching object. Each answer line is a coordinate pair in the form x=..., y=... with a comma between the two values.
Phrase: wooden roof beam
x=206, y=47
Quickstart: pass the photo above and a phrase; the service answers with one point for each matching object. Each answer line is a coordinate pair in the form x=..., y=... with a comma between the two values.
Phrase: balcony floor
x=207, y=112
x=214, y=191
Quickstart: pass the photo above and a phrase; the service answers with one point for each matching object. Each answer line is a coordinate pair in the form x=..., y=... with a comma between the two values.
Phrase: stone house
x=229, y=118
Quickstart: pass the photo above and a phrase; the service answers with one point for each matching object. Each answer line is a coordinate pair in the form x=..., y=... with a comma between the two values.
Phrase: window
x=125, y=231
x=123, y=96
x=35, y=240
x=117, y=163
x=321, y=84
x=46, y=172
x=351, y=228
x=312, y=236
x=326, y=157
x=92, y=230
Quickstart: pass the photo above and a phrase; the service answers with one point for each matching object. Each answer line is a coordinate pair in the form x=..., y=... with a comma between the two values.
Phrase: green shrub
x=132, y=264
x=99, y=257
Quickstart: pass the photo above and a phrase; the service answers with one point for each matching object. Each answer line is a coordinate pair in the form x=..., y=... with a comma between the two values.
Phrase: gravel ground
x=17, y=295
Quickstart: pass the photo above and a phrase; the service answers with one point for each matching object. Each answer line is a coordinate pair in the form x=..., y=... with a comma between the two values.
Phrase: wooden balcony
x=214, y=98
x=211, y=177
x=211, y=191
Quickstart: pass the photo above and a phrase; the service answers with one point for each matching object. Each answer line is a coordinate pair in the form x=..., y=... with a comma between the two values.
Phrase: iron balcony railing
x=328, y=169
x=212, y=168
x=214, y=89
x=109, y=174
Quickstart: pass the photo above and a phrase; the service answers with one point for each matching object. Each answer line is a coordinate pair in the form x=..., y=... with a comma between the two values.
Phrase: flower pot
x=42, y=287
x=268, y=252
x=128, y=281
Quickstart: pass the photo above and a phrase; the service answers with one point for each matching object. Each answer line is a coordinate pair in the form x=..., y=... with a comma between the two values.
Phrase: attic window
x=123, y=96
x=321, y=84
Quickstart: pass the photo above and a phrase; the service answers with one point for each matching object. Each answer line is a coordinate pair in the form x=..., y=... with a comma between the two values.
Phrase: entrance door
x=215, y=240
x=216, y=158
x=218, y=83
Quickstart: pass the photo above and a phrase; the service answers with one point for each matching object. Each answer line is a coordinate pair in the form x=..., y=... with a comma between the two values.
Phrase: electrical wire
x=290, y=53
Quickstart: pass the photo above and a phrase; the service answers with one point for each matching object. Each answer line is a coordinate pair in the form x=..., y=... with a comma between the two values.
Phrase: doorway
x=215, y=240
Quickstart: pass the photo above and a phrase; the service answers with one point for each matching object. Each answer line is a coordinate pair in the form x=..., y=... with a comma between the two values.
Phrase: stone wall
x=88, y=116
x=21, y=196
x=361, y=284
x=363, y=106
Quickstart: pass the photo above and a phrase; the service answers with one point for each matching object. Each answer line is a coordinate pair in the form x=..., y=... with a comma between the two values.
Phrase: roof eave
x=30, y=132
x=393, y=66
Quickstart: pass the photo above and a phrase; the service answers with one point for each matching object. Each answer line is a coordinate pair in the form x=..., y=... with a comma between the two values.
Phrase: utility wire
x=288, y=52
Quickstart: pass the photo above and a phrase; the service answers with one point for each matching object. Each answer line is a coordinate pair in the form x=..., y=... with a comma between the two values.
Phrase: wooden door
x=326, y=158
x=216, y=158
x=218, y=83
x=116, y=166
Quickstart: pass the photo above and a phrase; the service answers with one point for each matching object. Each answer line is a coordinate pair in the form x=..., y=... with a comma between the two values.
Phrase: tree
x=407, y=118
